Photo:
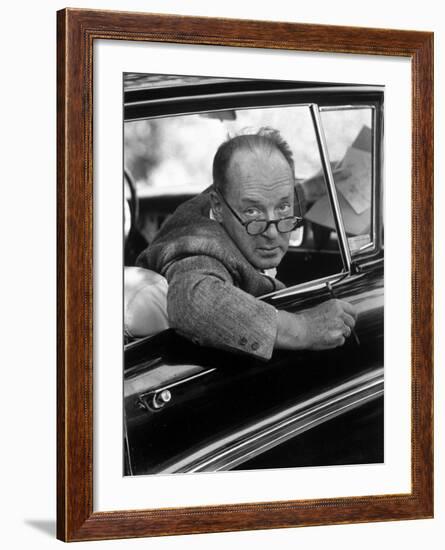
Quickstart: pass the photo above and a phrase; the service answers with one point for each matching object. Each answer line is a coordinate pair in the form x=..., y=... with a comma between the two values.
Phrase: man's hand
x=322, y=327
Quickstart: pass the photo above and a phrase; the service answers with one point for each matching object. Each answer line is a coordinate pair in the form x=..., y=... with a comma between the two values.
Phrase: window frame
x=371, y=246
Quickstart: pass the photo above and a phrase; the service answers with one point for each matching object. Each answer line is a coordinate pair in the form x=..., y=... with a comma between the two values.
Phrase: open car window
x=171, y=159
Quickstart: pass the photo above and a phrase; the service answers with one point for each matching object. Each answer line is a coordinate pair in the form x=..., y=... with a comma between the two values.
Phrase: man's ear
x=216, y=204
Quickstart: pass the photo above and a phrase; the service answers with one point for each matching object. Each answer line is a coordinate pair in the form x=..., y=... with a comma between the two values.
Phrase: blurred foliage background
x=174, y=155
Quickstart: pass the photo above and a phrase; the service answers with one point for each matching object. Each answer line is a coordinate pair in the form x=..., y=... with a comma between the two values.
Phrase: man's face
x=260, y=185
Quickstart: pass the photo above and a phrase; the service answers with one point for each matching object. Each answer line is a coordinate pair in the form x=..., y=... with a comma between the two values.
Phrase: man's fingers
x=341, y=306
x=349, y=308
x=348, y=320
x=338, y=338
x=329, y=324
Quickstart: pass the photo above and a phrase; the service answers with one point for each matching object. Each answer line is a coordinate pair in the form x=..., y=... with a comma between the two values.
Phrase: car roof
x=154, y=95
x=144, y=81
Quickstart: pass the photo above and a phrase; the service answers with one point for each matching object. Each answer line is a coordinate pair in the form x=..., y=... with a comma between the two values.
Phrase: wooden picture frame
x=77, y=31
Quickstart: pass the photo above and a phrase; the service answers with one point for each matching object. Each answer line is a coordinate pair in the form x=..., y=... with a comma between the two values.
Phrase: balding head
x=264, y=143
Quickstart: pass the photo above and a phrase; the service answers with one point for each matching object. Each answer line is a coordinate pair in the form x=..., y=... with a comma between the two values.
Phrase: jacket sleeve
x=206, y=307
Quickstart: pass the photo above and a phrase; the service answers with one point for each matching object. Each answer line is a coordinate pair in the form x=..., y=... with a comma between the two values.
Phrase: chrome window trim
x=327, y=108
x=330, y=184
x=252, y=93
x=308, y=286
x=179, y=382
x=235, y=95
x=204, y=111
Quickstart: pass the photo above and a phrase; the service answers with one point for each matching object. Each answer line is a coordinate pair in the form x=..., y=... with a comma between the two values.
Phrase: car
x=189, y=408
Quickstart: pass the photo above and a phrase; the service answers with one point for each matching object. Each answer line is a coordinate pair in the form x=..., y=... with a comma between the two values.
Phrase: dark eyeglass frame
x=297, y=220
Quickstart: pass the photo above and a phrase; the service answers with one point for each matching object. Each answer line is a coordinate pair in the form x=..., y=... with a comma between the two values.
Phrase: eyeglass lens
x=283, y=226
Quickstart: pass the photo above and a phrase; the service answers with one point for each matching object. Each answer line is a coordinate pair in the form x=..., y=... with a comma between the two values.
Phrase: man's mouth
x=268, y=249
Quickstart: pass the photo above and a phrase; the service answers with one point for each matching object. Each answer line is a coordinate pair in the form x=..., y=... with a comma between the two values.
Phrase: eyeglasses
x=257, y=227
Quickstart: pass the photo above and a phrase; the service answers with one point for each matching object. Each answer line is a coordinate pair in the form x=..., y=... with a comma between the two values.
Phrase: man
x=220, y=250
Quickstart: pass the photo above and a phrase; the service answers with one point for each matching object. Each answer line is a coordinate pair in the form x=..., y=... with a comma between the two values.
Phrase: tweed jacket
x=212, y=288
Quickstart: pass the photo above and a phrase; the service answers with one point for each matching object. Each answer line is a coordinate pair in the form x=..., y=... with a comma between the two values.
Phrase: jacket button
x=255, y=346
x=242, y=341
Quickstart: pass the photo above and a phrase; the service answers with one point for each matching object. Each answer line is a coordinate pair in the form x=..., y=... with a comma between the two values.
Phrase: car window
x=171, y=160
x=352, y=163
x=174, y=155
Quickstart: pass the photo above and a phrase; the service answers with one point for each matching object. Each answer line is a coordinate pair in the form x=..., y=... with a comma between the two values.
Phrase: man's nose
x=271, y=232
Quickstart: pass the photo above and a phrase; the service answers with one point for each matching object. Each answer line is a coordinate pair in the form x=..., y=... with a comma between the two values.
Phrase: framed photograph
x=245, y=214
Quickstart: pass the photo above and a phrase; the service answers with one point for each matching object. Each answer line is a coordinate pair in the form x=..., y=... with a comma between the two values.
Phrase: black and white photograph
x=253, y=274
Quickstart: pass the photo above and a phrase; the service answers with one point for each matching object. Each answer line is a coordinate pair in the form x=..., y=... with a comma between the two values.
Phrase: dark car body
x=191, y=409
